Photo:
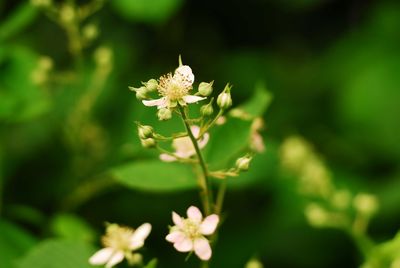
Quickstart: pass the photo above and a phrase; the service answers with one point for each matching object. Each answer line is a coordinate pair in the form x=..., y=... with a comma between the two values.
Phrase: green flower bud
x=224, y=99
x=365, y=204
x=148, y=143
x=151, y=85
x=206, y=110
x=243, y=163
x=205, y=89
x=141, y=92
x=145, y=131
x=164, y=114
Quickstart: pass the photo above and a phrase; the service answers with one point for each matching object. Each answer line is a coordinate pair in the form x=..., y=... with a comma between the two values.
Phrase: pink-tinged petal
x=194, y=214
x=116, y=258
x=175, y=237
x=184, y=245
x=176, y=219
x=160, y=103
x=209, y=224
x=195, y=130
x=202, y=249
x=101, y=257
x=192, y=98
x=167, y=158
x=203, y=142
x=140, y=234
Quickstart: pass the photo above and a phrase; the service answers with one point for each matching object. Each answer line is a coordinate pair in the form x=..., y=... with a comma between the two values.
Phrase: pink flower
x=188, y=234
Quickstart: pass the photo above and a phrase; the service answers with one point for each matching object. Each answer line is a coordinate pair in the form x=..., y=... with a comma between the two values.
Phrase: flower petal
x=209, y=224
x=203, y=142
x=140, y=234
x=202, y=248
x=192, y=98
x=184, y=245
x=160, y=103
x=116, y=258
x=195, y=130
x=194, y=214
x=176, y=219
x=167, y=158
x=101, y=257
x=175, y=236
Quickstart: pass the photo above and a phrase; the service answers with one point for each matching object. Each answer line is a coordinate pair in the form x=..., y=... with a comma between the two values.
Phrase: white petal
x=194, y=214
x=192, y=98
x=116, y=258
x=202, y=249
x=203, y=142
x=209, y=224
x=101, y=257
x=167, y=158
x=175, y=237
x=184, y=245
x=136, y=244
x=195, y=130
x=160, y=103
x=176, y=219
x=141, y=233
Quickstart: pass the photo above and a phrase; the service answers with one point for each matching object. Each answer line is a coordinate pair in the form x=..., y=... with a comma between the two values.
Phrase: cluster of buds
x=40, y=75
x=146, y=135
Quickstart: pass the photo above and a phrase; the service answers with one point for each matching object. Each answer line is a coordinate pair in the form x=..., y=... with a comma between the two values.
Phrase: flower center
x=117, y=237
x=172, y=87
x=191, y=229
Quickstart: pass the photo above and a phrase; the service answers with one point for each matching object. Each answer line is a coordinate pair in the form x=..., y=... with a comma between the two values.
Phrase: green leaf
x=18, y=20
x=155, y=176
x=258, y=103
x=154, y=11
x=227, y=142
x=14, y=242
x=57, y=253
x=151, y=264
x=72, y=227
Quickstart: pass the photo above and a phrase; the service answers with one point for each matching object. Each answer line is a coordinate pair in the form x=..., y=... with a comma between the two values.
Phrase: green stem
x=208, y=126
x=220, y=197
x=205, y=182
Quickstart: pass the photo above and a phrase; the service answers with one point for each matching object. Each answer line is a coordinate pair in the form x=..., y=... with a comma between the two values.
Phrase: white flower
x=188, y=234
x=119, y=242
x=174, y=89
x=184, y=147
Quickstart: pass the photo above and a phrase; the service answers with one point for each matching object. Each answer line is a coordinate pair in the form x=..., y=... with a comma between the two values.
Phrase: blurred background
x=67, y=119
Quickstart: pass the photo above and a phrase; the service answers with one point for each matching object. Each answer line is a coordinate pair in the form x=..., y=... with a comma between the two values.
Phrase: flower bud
x=164, y=114
x=41, y=3
x=366, y=204
x=148, y=143
x=243, y=163
x=224, y=99
x=205, y=89
x=151, y=85
x=90, y=31
x=207, y=110
x=145, y=131
x=141, y=92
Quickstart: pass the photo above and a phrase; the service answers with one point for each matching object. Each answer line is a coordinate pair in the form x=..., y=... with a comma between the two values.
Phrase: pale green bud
x=243, y=163
x=90, y=31
x=41, y=3
x=316, y=215
x=366, y=204
x=207, y=110
x=148, y=143
x=145, y=131
x=164, y=114
x=205, y=89
x=141, y=92
x=224, y=99
x=151, y=85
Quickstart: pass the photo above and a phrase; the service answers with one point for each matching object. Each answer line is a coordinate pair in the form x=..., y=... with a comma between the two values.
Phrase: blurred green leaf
x=151, y=264
x=14, y=242
x=146, y=11
x=72, y=227
x=259, y=101
x=227, y=142
x=20, y=99
x=18, y=20
x=155, y=176
x=57, y=253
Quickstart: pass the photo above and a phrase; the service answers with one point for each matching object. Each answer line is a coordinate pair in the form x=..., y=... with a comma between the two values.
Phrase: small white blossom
x=188, y=234
x=119, y=242
x=184, y=147
x=174, y=89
